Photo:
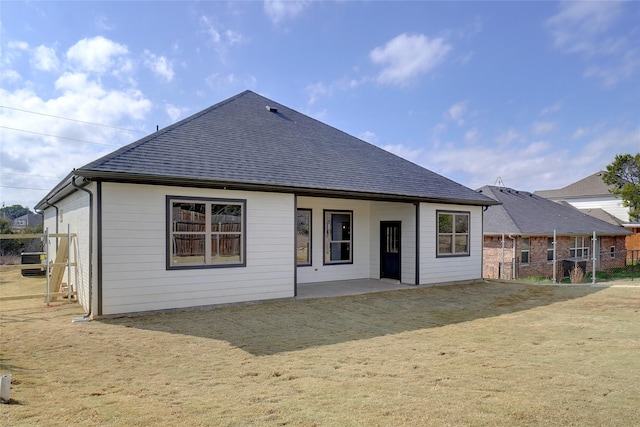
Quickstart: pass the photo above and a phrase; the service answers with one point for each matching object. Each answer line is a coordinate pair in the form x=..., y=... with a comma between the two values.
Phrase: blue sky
x=538, y=94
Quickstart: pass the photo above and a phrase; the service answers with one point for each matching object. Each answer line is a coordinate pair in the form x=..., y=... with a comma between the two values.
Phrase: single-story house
x=246, y=200
x=526, y=235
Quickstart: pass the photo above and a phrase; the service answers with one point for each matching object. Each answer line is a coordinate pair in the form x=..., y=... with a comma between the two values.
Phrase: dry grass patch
x=478, y=354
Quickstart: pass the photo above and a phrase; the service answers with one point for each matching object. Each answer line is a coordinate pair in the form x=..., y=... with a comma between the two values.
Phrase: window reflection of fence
x=188, y=222
x=190, y=234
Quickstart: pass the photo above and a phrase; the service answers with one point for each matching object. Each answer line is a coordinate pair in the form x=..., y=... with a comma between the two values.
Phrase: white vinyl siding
x=134, y=274
x=610, y=205
x=318, y=271
x=435, y=269
x=75, y=217
x=406, y=214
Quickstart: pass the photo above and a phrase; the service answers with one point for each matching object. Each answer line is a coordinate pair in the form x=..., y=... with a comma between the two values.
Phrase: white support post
x=593, y=259
x=5, y=388
x=555, y=260
x=48, y=251
x=502, y=266
x=68, y=262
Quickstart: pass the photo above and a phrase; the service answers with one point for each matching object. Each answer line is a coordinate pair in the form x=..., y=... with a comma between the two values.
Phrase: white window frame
x=526, y=251
x=580, y=248
x=453, y=234
x=551, y=248
x=209, y=260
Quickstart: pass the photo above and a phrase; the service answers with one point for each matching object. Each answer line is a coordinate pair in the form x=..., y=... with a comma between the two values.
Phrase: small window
x=453, y=233
x=612, y=252
x=338, y=242
x=525, y=250
x=551, y=247
x=205, y=233
x=303, y=237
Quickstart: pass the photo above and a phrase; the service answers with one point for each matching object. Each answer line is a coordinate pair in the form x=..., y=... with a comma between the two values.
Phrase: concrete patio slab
x=347, y=287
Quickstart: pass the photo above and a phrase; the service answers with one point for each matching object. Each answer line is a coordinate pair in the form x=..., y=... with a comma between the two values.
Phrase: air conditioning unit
x=36, y=258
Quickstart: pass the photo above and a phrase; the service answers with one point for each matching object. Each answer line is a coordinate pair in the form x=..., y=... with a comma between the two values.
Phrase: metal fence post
x=593, y=259
x=555, y=260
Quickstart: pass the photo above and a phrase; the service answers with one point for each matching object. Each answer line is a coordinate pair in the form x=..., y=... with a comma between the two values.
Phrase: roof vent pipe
x=272, y=109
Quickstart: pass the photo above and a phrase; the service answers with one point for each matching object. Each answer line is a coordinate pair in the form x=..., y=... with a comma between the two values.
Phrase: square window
x=205, y=233
x=453, y=233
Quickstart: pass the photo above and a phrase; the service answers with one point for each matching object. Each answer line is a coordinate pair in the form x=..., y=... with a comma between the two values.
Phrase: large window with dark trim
x=303, y=237
x=205, y=232
x=453, y=233
x=338, y=238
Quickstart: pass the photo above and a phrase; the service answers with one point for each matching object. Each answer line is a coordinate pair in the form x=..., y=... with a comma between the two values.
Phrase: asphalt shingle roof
x=591, y=186
x=241, y=141
x=523, y=213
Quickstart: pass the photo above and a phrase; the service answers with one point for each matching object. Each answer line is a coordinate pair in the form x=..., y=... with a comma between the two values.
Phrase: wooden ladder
x=58, y=267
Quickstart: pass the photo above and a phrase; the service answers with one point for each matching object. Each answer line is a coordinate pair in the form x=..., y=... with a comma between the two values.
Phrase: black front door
x=390, y=250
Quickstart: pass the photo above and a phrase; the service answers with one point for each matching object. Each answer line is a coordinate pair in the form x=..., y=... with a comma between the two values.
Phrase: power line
x=24, y=188
x=73, y=120
x=61, y=137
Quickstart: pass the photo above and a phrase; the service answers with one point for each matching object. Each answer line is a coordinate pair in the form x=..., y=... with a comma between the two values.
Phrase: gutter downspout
x=87, y=316
x=57, y=213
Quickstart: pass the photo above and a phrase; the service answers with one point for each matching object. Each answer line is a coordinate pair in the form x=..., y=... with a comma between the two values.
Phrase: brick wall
x=538, y=265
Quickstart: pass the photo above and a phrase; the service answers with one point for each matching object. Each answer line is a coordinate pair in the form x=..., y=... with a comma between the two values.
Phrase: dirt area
x=475, y=354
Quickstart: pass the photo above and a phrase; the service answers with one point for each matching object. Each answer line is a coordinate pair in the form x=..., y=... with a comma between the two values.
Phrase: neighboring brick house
x=519, y=237
x=593, y=196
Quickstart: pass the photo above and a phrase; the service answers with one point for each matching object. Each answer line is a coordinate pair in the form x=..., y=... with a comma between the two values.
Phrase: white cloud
x=554, y=108
x=45, y=59
x=174, y=112
x=580, y=132
x=508, y=137
x=221, y=82
x=541, y=128
x=281, y=10
x=317, y=91
x=99, y=55
x=10, y=76
x=471, y=136
x=160, y=65
x=584, y=28
x=369, y=136
x=456, y=112
x=210, y=29
x=221, y=39
x=407, y=56
x=70, y=83
x=577, y=25
x=412, y=154
x=18, y=45
x=42, y=148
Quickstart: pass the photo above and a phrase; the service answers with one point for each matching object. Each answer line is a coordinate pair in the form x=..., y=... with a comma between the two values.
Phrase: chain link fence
x=609, y=266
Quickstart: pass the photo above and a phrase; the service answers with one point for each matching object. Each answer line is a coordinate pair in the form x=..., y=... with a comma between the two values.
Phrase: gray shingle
x=591, y=186
x=239, y=140
x=523, y=213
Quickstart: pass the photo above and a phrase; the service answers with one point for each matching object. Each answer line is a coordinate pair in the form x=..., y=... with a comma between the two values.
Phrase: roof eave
x=125, y=177
x=58, y=192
